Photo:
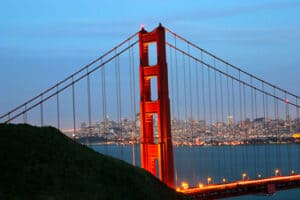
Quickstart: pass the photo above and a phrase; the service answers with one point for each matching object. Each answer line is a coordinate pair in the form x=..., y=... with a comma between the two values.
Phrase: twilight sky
x=43, y=41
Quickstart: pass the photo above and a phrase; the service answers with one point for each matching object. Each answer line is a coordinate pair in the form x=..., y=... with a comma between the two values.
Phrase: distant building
x=230, y=120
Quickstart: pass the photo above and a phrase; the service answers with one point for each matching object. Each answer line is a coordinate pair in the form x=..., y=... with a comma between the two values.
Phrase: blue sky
x=42, y=42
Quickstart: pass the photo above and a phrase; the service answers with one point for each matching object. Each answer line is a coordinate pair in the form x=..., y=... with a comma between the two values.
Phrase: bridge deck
x=263, y=186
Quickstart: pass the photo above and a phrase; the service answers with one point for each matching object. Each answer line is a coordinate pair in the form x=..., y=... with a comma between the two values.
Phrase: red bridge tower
x=155, y=154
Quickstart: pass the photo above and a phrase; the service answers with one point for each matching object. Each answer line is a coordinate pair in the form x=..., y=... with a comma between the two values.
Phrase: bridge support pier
x=156, y=151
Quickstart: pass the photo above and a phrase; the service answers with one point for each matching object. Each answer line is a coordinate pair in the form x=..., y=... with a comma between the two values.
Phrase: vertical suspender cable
x=209, y=99
x=216, y=97
x=204, y=110
x=119, y=99
x=117, y=96
x=268, y=138
x=233, y=126
x=57, y=108
x=297, y=130
x=104, y=109
x=241, y=126
x=229, y=122
x=210, y=121
x=134, y=96
x=203, y=94
x=186, y=121
x=172, y=84
x=42, y=111
x=177, y=173
x=191, y=112
x=288, y=121
x=222, y=127
x=131, y=105
x=190, y=91
x=198, y=129
x=177, y=82
x=253, y=128
x=8, y=118
x=197, y=90
x=278, y=159
x=245, y=130
x=185, y=95
x=74, y=111
x=89, y=102
x=264, y=128
x=217, y=120
x=256, y=157
x=263, y=125
x=25, y=114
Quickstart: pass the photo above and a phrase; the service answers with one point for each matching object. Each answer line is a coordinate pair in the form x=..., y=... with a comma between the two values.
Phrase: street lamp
x=185, y=185
x=259, y=176
x=292, y=172
x=244, y=176
x=277, y=172
x=200, y=185
x=224, y=180
x=208, y=180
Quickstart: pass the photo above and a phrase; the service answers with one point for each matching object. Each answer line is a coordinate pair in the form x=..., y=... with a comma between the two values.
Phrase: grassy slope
x=42, y=163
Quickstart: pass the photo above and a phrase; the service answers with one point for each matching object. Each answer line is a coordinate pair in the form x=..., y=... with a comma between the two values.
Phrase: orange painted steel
x=267, y=186
x=155, y=154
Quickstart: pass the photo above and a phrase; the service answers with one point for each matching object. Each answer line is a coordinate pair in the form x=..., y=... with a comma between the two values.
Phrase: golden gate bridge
x=185, y=96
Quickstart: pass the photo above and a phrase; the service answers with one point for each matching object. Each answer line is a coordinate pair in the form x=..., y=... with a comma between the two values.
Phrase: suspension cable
x=232, y=77
x=69, y=84
x=225, y=62
x=69, y=77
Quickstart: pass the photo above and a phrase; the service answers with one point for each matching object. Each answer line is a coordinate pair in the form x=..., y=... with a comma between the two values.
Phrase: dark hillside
x=42, y=163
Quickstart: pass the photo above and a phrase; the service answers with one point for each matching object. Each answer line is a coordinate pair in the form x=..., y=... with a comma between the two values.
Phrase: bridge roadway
x=266, y=186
